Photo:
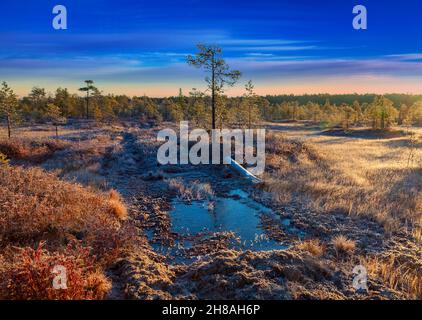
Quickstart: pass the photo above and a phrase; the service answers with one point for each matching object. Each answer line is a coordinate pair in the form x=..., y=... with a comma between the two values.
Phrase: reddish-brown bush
x=14, y=149
x=37, y=206
x=30, y=150
x=32, y=273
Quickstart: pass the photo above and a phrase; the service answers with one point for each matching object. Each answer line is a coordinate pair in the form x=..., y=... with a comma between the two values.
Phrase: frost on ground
x=337, y=202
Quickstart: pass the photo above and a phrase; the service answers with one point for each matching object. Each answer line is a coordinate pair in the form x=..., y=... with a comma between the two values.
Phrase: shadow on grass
x=363, y=133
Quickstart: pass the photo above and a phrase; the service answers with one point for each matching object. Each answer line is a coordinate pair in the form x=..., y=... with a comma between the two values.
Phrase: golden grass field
x=378, y=177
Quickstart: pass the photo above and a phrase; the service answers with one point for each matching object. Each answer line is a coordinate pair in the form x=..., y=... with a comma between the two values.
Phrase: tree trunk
x=57, y=132
x=8, y=126
x=249, y=115
x=213, y=92
x=87, y=104
x=383, y=121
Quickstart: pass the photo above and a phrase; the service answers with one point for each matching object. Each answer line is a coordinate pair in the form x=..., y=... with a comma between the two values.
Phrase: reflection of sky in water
x=238, y=215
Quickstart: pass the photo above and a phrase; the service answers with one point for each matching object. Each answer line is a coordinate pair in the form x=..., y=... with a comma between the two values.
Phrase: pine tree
x=220, y=75
x=88, y=88
x=250, y=101
x=8, y=106
x=54, y=114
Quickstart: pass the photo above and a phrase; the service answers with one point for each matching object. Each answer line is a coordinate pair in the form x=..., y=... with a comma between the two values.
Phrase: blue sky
x=138, y=47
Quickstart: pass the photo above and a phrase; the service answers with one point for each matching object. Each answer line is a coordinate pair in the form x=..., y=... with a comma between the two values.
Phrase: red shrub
x=14, y=149
x=31, y=275
x=30, y=150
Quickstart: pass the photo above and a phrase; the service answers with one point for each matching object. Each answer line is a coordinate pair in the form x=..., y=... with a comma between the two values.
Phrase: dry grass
x=81, y=158
x=117, y=207
x=33, y=202
x=343, y=246
x=114, y=195
x=36, y=206
x=88, y=176
x=30, y=150
x=400, y=273
x=38, y=132
x=192, y=191
x=3, y=159
x=354, y=176
x=312, y=246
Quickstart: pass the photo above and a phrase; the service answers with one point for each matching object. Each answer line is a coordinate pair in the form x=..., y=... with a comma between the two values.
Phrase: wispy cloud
x=259, y=57
x=139, y=69
x=259, y=54
x=326, y=67
x=406, y=56
x=271, y=48
x=258, y=42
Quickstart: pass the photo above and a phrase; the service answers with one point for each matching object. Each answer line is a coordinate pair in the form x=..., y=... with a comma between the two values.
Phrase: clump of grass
x=202, y=190
x=114, y=195
x=3, y=159
x=343, y=246
x=178, y=186
x=313, y=246
x=192, y=192
x=117, y=207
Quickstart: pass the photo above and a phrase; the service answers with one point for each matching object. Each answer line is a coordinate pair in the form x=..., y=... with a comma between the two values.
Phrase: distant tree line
x=397, y=98
x=380, y=113
x=245, y=111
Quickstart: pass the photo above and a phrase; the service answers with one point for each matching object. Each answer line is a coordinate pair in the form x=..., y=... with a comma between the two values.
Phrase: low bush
x=44, y=222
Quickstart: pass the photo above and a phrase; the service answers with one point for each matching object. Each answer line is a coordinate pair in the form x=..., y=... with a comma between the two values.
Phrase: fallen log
x=242, y=171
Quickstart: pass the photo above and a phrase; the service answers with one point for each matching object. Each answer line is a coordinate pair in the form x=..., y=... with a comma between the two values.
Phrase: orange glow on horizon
x=362, y=85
